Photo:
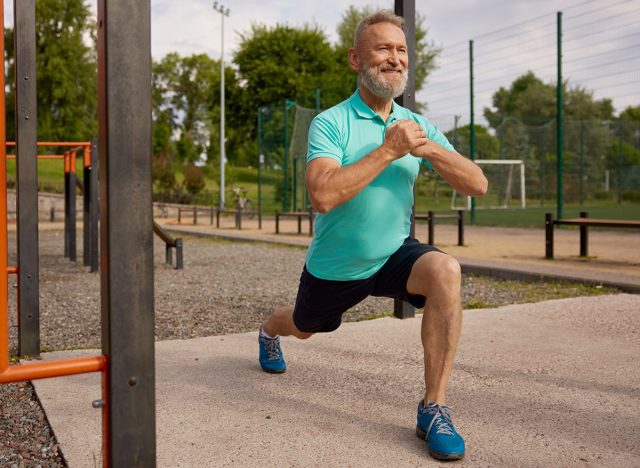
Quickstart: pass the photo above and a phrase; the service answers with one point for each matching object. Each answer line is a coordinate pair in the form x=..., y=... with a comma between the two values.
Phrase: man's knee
x=302, y=335
x=436, y=273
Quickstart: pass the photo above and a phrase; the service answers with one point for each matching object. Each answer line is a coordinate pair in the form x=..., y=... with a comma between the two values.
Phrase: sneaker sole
x=438, y=456
x=269, y=371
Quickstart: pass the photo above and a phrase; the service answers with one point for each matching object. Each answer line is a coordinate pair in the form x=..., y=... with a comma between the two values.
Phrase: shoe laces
x=272, y=346
x=441, y=418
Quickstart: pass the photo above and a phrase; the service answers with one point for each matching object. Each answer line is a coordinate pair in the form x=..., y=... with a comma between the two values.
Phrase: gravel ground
x=224, y=288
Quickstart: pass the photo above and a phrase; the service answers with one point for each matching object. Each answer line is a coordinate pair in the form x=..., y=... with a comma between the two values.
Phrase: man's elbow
x=320, y=205
x=481, y=187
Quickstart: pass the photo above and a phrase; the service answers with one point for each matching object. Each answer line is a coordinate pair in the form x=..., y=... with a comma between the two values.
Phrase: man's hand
x=403, y=137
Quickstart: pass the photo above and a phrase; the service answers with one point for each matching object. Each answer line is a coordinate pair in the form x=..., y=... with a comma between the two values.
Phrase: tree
x=66, y=71
x=486, y=145
x=186, y=102
x=426, y=51
x=524, y=119
x=283, y=62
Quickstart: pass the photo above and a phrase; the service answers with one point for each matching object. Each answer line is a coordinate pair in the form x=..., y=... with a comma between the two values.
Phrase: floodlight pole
x=223, y=159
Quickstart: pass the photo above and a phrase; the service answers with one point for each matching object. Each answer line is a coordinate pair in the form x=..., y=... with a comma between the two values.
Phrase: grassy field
x=428, y=196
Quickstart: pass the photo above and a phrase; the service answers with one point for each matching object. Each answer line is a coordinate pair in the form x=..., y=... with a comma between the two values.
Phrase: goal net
x=298, y=155
x=506, y=186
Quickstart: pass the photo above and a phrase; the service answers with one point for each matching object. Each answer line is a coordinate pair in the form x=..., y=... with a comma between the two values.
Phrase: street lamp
x=223, y=159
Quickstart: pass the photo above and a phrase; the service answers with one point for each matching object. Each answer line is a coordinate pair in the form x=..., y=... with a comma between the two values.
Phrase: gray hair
x=381, y=16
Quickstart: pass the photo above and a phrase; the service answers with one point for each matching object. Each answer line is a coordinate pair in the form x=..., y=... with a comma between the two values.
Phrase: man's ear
x=353, y=59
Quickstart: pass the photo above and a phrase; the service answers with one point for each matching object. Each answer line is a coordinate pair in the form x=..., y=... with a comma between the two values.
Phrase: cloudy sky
x=602, y=40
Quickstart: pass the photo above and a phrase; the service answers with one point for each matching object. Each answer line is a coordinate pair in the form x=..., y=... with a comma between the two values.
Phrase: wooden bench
x=583, y=222
x=295, y=214
x=431, y=217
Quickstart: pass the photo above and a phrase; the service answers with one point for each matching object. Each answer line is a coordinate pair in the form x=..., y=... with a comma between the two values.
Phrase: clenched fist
x=403, y=137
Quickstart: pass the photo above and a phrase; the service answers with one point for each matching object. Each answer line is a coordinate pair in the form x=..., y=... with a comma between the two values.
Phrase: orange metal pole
x=67, y=163
x=87, y=156
x=73, y=161
x=4, y=281
x=11, y=270
x=40, y=156
x=55, y=143
x=43, y=370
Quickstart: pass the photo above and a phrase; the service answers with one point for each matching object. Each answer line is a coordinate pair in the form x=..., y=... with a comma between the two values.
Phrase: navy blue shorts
x=321, y=303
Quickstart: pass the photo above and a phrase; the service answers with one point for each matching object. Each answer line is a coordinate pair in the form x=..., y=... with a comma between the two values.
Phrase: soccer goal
x=505, y=190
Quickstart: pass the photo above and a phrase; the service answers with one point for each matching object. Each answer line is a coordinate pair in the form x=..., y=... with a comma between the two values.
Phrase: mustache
x=398, y=69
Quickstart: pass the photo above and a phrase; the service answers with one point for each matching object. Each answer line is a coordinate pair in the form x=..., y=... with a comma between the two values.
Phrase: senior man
x=363, y=159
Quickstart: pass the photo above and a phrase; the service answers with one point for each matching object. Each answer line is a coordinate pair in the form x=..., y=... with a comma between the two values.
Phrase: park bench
x=295, y=214
x=194, y=210
x=583, y=222
x=431, y=217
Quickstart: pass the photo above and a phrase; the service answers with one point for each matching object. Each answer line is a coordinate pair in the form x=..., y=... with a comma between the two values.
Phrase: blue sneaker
x=435, y=426
x=271, y=359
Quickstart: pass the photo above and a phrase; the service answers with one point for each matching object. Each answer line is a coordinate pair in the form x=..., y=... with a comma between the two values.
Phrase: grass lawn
x=50, y=178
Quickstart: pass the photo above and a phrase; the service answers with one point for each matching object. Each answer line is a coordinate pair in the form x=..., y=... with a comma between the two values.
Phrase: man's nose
x=394, y=57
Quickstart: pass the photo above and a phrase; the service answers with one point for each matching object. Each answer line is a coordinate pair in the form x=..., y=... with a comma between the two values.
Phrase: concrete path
x=547, y=384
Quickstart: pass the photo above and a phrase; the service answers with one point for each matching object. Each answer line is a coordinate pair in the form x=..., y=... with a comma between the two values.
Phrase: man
x=364, y=156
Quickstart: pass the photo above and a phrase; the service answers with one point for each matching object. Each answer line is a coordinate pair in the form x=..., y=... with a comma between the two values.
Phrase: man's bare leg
x=437, y=276
x=280, y=322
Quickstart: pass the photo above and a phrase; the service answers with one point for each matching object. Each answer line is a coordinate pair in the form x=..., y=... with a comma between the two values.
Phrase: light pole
x=223, y=159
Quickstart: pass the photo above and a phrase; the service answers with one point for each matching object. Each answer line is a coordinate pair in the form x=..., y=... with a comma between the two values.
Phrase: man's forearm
x=338, y=185
x=461, y=173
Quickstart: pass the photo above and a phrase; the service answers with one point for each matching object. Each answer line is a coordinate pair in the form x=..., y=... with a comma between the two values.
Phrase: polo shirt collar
x=364, y=111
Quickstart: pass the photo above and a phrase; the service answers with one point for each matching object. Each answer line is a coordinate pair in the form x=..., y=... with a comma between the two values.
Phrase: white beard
x=372, y=78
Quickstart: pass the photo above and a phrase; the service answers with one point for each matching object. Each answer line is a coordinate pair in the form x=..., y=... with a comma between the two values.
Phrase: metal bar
x=559, y=122
x=44, y=370
x=73, y=212
x=4, y=258
x=548, y=238
x=126, y=235
x=94, y=208
x=472, y=126
x=77, y=144
x=27, y=178
x=430, y=222
x=67, y=208
x=179, y=258
x=277, y=223
x=460, y=227
x=40, y=156
x=407, y=9
x=86, y=209
x=584, y=236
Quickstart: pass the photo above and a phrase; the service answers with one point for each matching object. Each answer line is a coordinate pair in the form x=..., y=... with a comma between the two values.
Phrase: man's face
x=381, y=59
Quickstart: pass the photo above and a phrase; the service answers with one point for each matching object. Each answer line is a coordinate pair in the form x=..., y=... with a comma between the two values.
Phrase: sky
x=602, y=48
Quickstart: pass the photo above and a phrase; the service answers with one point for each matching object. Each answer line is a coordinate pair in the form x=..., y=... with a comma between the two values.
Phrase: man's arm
x=331, y=184
x=461, y=173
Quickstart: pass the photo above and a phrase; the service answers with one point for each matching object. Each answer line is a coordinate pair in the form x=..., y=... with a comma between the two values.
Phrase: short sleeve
x=324, y=140
x=435, y=135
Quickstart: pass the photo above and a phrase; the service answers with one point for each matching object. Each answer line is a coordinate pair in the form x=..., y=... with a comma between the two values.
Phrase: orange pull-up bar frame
x=38, y=370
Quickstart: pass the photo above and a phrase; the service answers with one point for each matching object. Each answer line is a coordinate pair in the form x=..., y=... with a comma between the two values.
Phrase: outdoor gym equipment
x=126, y=235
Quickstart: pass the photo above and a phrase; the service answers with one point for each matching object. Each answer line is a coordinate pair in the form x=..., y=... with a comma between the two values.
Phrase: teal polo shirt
x=355, y=239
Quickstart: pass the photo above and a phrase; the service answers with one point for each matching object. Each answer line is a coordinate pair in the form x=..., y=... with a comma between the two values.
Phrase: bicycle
x=241, y=202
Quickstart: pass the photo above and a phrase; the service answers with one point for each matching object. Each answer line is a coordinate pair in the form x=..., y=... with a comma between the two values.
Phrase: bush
x=631, y=195
x=162, y=171
x=193, y=179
